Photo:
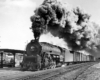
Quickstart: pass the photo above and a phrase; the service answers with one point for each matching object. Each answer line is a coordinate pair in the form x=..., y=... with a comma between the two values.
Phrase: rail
x=50, y=74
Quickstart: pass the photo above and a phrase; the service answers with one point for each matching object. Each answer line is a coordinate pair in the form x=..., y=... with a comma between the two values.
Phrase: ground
x=91, y=73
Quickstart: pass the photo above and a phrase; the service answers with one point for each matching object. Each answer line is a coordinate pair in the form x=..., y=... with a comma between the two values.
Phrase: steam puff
x=73, y=26
x=53, y=40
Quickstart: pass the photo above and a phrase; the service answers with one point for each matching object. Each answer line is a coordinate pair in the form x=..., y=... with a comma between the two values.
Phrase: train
x=43, y=55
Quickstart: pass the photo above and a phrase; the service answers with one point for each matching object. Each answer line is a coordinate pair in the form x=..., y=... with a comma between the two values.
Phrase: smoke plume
x=73, y=26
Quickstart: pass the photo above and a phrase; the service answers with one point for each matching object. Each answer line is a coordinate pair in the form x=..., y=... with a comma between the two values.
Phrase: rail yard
x=71, y=57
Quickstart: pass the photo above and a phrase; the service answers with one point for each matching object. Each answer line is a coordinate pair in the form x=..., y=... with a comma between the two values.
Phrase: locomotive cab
x=55, y=58
x=59, y=59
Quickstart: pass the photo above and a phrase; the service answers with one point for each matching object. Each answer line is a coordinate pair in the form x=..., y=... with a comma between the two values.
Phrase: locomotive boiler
x=42, y=55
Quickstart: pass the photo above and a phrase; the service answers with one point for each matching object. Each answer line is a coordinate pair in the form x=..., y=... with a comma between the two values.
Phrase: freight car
x=75, y=57
x=42, y=55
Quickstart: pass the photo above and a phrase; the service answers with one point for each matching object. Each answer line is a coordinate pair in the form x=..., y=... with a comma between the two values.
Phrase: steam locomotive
x=42, y=55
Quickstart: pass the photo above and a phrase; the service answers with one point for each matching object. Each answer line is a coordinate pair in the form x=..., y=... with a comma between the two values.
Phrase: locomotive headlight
x=32, y=48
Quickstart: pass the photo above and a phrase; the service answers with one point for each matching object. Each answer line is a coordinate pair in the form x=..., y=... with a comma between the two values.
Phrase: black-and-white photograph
x=49, y=40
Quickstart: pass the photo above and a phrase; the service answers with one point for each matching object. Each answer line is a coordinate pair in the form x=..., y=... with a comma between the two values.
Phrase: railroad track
x=53, y=73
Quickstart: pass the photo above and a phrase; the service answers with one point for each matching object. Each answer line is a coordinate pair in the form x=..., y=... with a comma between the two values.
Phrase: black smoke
x=73, y=26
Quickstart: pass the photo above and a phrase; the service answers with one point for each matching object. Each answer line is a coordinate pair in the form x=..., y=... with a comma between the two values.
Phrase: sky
x=15, y=22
